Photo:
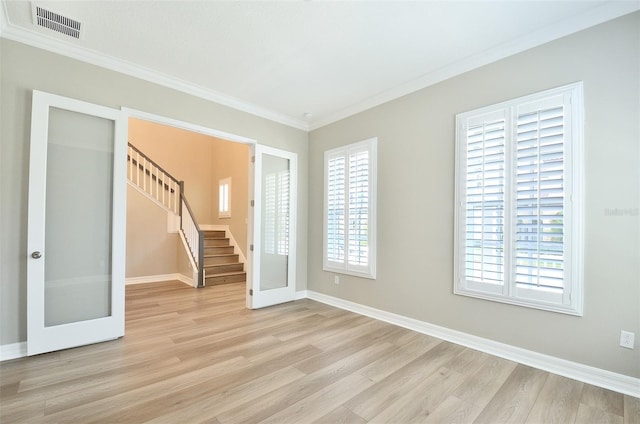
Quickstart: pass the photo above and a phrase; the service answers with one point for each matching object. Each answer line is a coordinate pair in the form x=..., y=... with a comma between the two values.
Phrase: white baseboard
x=158, y=278
x=13, y=351
x=302, y=294
x=587, y=374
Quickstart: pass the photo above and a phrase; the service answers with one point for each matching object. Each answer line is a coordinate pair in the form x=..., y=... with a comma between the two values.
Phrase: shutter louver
x=484, y=213
x=539, y=242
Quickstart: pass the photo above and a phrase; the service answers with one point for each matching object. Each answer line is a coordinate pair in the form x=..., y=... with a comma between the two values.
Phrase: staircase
x=221, y=265
x=211, y=255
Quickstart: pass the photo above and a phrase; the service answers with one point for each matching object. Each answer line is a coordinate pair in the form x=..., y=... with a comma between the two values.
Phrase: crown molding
x=35, y=39
x=595, y=16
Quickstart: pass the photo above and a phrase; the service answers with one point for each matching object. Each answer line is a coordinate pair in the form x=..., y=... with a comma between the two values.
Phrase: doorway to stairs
x=162, y=149
x=259, y=186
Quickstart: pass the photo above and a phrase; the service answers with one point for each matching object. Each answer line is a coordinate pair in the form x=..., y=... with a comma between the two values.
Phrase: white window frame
x=224, y=198
x=345, y=266
x=569, y=299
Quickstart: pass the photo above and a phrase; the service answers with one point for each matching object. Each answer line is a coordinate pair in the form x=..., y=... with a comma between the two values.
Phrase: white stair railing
x=154, y=181
x=164, y=189
x=194, y=236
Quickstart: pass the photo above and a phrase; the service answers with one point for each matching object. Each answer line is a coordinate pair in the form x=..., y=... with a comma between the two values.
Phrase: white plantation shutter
x=518, y=233
x=358, y=238
x=336, y=209
x=485, y=208
x=540, y=198
x=350, y=185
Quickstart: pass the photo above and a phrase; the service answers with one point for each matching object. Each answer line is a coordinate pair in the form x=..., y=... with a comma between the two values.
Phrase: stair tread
x=216, y=255
x=226, y=274
x=217, y=234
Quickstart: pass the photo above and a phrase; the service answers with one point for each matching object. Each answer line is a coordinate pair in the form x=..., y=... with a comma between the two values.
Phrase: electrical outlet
x=626, y=339
x=336, y=279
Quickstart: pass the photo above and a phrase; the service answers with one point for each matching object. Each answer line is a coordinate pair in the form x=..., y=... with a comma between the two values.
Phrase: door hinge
x=250, y=292
x=253, y=203
x=253, y=159
x=251, y=247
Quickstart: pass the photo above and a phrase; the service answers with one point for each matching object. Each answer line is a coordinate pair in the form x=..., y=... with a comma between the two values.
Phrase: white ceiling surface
x=282, y=60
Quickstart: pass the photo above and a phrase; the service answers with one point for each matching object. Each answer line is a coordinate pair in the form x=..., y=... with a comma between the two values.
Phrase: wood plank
x=515, y=399
x=557, y=402
x=606, y=400
x=480, y=387
x=454, y=410
x=631, y=410
x=591, y=415
x=417, y=403
x=340, y=415
x=386, y=392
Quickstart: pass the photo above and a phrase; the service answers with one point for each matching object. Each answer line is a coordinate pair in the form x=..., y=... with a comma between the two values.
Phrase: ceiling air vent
x=56, y=22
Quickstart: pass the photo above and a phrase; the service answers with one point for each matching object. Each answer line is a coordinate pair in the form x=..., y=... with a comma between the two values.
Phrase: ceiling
x=303, y=63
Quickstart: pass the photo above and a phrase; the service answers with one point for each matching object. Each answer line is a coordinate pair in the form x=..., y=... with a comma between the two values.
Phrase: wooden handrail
x=153, y=163
x=153, y=177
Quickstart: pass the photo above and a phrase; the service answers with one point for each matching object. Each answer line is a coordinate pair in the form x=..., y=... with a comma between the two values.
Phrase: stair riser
x=212, y=281
x=214, y=234
x=216, y=242
x=217, y=260
x=218, y=250
x=212, y=270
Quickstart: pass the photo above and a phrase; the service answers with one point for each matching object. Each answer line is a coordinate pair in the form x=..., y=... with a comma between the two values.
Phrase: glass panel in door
x=272, y=261
x=78, y=214
x=275, y=222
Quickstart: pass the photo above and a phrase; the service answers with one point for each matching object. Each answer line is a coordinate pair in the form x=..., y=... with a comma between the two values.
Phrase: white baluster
x=138, y=169
x=163, y=190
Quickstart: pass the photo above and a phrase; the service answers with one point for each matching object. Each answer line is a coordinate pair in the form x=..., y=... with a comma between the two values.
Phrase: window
x=224, y=198
x=349, y=209
x=519, y=201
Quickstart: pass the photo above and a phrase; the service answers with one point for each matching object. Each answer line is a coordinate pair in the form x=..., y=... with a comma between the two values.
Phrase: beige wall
x=184, y=154
x=232, y=160
x=416, y=199
x=151, y=250
x=24, y=69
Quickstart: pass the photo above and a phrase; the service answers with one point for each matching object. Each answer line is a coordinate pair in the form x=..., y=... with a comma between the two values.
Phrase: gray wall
x=416, y=199
x=25, y=68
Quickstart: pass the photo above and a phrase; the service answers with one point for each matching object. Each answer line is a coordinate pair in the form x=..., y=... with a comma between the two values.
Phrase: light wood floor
x=192, y=356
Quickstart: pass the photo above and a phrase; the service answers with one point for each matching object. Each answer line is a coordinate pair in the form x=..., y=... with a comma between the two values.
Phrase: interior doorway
x=202, y=158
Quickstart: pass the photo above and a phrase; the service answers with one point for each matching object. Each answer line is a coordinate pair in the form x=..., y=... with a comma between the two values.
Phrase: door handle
x=36, y=255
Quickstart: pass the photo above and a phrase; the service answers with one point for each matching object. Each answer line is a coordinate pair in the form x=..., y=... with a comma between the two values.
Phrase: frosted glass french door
x=274, y=236
x=76, y=224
